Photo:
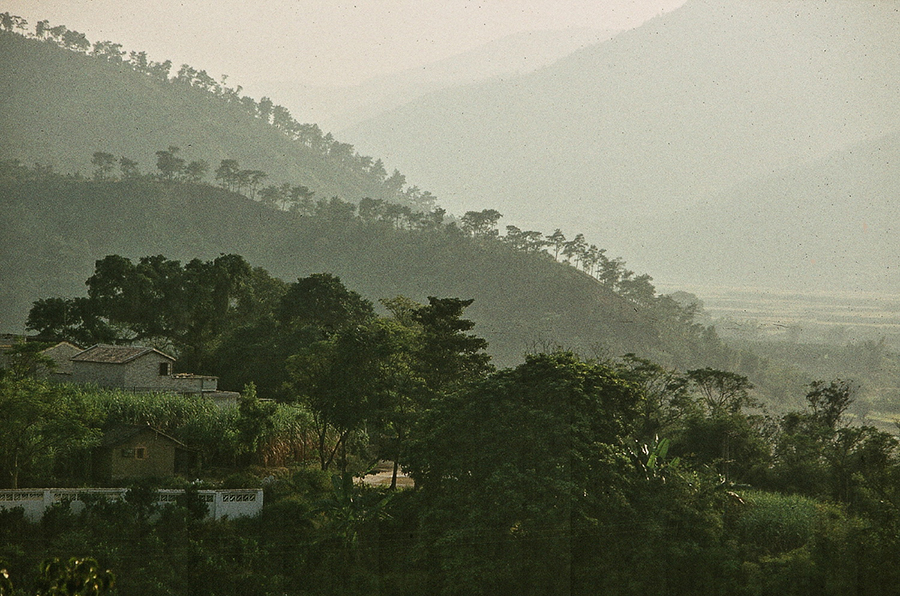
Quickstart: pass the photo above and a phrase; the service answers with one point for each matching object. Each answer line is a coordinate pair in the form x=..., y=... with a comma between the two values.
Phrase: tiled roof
x=121, y=433
x=115, y=354
x=62, y=344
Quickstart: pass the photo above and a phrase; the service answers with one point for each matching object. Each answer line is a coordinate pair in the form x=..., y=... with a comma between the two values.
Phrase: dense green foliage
x=50, y=429
x=558, y=476
x=537, y=479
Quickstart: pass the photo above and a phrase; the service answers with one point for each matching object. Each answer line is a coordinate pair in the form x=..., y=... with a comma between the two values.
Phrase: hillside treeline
x=309, y=135
x=299, y=199
x=191, y=95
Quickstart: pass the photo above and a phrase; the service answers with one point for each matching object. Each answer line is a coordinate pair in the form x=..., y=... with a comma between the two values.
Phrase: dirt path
x=382, y=476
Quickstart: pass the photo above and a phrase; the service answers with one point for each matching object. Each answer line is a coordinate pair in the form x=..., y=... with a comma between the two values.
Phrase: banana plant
x=650, y=459
x=76, y=577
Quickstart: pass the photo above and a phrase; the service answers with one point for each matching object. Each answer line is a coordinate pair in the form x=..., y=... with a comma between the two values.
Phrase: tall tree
x=40, y=28
x=189, y=307
x=128, y=168
x=448, y=356
x=394, y=184
x=557, y=240
x=264, y=108
x=514, y=469
x=108, y=51
x=322, y=303
x=514, y=237
x=103, y=164
x=638, y=289
x=300, y=200
x=722, y=434
x=10, y=22
x=721, y=391
x=78, y=320
x=227, y=172
x=195, y=171
x=139, y=62
x=75, y=41
x=575, y=249
x=251, y=179
x=338, y=380
x=481, y=223
x=170, y=166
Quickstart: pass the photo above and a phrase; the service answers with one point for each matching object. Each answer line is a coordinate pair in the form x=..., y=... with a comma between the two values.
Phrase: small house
x=130, y=452
x=138, y=369
x=49, y=362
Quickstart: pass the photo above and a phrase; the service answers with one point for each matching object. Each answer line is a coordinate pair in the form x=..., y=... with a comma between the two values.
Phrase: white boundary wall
x=244, y=502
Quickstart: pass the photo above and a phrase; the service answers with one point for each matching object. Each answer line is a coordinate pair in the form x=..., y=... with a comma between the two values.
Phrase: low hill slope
x=53, y=231
x=831, y=224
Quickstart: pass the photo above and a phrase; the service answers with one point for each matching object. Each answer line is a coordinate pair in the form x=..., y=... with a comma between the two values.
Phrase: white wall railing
x=245, y=502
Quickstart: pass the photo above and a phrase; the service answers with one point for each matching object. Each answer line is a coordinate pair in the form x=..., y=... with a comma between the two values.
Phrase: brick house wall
x=104, y=374
x=150, y=370
x=146, y=372
x=61, y=354
x=143, y=371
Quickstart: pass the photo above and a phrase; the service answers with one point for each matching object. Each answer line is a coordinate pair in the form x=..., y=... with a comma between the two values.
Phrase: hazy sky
x=320, y=41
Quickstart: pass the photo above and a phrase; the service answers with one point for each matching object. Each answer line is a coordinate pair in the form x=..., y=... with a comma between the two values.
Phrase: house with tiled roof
x=144, y=369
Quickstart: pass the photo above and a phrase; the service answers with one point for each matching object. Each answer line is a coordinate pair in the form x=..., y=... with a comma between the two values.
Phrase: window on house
x=128, y=453
x=163, y=369
x=140, y=453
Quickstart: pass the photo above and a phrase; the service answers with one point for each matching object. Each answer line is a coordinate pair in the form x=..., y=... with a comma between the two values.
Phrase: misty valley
x=619, y=319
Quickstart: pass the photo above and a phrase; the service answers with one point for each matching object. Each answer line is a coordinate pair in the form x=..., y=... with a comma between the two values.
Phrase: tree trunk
x=394, y=475
x=322, y=457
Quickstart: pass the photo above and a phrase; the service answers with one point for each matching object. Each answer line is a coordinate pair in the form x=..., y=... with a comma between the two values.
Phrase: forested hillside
x=55, y=227
x=93, y=111
x=63, y=101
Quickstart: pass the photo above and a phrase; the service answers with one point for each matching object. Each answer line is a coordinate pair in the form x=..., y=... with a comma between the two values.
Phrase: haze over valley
x=747, y=109
x=450, y=297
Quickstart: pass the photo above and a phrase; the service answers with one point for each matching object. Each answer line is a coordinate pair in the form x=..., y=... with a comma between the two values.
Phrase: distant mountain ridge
x=336, y=108
x=832, y=223
x=679, y=110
